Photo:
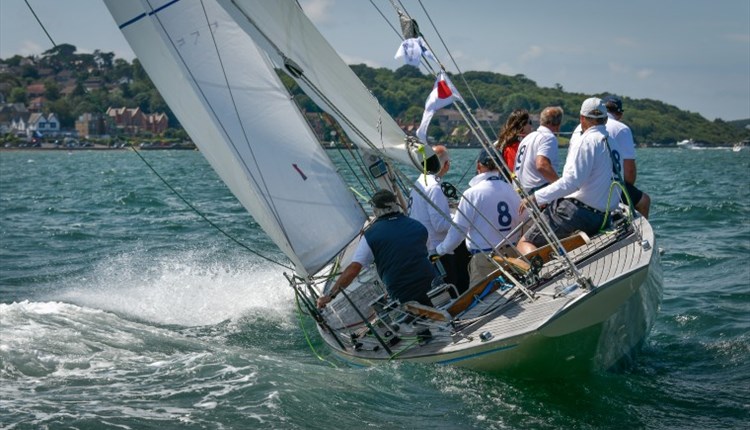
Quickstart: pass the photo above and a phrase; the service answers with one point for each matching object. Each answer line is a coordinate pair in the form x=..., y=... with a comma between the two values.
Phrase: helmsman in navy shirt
x=397, y=245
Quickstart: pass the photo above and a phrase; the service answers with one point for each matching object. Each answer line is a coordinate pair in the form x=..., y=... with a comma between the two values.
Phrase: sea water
x=122, y=308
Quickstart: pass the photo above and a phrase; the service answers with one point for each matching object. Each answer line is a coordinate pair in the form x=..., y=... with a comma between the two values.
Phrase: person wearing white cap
x=434, y=211
x=623, y=146
x=537, y=154
x=486, y=213
x=579, y=199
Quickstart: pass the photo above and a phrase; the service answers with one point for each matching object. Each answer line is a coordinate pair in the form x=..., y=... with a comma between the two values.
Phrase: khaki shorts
x=479, y=267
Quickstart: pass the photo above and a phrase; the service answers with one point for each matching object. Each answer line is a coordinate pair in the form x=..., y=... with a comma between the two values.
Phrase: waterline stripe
x=143, y=15
x=479, y=354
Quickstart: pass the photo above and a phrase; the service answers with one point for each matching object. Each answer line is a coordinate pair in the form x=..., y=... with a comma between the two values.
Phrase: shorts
x=635, y=194
x=565, y=218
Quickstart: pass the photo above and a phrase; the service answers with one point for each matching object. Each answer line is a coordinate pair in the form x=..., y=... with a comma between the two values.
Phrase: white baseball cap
x=593, y=108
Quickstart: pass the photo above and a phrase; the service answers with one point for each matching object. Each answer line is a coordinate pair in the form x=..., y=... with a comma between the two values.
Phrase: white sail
x=226, y=94
x=282, y=29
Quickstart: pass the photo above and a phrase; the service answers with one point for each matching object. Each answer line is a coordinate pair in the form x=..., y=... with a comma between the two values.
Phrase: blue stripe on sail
x=127, y=23
x=166, y=5
x=143, y=15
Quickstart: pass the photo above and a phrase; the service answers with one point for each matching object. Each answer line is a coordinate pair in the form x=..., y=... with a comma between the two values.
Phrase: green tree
x=122, y=69
x=79, y=90
x=63, y=109
x=104, y=59
x=18, y=95
x=413, y=114
x=517, y=101
x=29, y=71
x=51, y=89
x=14, y=61
x=138, y=73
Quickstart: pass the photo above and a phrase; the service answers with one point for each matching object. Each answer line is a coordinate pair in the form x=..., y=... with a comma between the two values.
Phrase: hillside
x=71, y=84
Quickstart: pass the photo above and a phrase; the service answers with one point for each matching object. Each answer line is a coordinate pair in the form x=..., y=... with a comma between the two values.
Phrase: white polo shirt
x=587, y=174
x=437, y=223
x=497, y=203
x=620, y=139
x=539, y=142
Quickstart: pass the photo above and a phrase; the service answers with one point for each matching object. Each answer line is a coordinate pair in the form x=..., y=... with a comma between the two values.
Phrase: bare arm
x=544, y=167
x=346, y=278
x=629, y=172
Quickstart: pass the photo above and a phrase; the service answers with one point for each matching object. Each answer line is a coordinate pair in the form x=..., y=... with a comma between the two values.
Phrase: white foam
x=186, y=289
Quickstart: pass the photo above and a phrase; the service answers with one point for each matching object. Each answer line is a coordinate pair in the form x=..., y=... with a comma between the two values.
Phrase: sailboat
x=579, y=303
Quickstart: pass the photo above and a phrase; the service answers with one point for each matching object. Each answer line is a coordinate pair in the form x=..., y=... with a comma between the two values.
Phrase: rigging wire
x=455, y=64
x=534, y=211
x=461, y=106
x=40, y=23
x=200, y=214
x=193, y=208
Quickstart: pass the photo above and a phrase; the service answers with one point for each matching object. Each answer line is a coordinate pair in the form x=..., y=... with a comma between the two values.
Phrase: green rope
x=394, y=356
x=358, y=194
x=307, y=338
x=609, y=199
x=421, y=150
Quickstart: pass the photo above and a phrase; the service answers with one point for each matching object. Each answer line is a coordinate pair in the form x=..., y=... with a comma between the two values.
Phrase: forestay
x=226, y=94
x=282, y=29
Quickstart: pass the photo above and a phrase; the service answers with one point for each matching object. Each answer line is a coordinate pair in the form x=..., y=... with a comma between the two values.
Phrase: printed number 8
x=504, y=217
x=519, y=158
x=616, y=162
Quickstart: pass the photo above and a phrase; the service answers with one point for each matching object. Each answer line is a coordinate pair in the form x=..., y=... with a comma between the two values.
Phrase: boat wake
x=98, y=368
x=186, y=289
x=178, y=331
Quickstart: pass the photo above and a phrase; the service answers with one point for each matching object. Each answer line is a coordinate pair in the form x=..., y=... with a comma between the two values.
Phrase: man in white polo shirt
x=623, y=148
x=487, y=212
x=435, y=213
x=536, y=159
x=578, y=200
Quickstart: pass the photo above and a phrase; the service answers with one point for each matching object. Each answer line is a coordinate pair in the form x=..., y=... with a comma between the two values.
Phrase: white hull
x=584, y=331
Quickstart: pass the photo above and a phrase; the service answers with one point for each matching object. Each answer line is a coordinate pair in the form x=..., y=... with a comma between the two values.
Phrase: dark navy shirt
x=399, y=247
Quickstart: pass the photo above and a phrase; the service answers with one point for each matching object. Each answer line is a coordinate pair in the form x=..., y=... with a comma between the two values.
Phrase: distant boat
x=739, y=146
x=692, y=144
x=577, y=303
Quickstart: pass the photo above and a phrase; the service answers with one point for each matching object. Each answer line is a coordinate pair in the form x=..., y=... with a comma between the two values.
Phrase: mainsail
x=227, y=95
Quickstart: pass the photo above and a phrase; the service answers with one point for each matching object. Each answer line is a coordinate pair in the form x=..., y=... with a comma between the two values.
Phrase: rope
x=421, y=151
x=200, y=214
x=307, y=338
x=406, y=348
x=609, y=200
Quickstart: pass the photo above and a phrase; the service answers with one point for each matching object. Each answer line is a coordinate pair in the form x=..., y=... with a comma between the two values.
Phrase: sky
x=693, y=54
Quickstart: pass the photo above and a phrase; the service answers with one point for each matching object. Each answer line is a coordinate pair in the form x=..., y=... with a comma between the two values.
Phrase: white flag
x=411, y=50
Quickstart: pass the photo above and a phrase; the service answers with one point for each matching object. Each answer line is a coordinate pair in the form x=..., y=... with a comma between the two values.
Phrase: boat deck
x=502, y=319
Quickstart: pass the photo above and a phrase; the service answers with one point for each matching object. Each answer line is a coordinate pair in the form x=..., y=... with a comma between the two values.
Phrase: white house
x=45, y=125
x=18, y=126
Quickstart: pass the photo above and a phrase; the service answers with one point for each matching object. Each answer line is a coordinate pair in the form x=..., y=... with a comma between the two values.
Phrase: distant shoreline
x=50, y=147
